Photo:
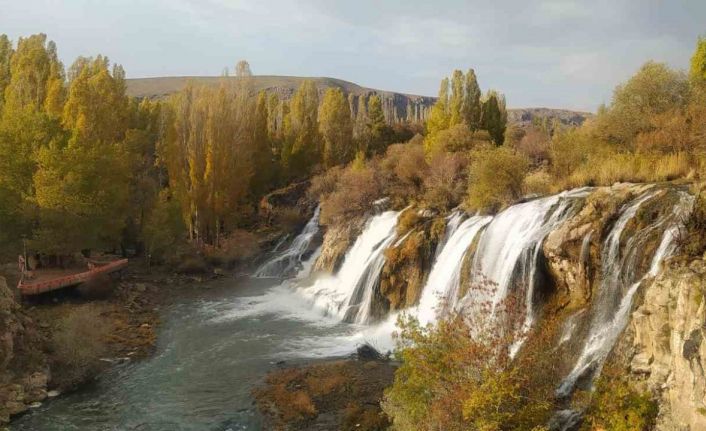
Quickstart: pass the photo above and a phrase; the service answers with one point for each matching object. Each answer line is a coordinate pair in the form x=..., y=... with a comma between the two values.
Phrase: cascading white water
x=620, y=283
x=442, y=286
x=509, y=247
x=349, y=293
x=289, y=262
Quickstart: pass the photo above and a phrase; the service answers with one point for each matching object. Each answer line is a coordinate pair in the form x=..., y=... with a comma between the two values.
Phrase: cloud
x=550, y=52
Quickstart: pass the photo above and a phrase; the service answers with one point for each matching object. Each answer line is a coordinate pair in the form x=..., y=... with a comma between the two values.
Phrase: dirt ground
x=341, y=394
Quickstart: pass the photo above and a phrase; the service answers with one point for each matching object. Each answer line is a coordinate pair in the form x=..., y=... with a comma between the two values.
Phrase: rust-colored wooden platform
x=48, y=280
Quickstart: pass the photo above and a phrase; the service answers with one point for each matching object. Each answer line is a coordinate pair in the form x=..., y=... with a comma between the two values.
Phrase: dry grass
x=78, y=342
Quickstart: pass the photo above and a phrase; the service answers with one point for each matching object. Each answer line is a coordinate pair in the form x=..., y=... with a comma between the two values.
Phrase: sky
x=552, y=53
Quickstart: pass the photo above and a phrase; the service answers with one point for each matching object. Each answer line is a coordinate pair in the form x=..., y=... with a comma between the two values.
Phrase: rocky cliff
x=665, y=345
x=24, y=373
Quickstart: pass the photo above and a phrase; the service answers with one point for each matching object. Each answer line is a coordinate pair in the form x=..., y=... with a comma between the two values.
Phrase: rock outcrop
x=337, y=240
x=667, y=340
x=24, y=373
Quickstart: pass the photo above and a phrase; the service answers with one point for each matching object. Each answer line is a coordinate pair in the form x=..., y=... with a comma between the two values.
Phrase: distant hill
x=397, y=106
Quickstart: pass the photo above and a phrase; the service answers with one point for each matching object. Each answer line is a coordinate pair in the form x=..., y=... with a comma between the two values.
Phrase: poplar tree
x=6, y=52
x=82, y=184
x=456, y=99
x=336, y=128
x=471, y=101
x=302, y=142
x=261, y=148
x=494, y=116
x=377, y=126
x=439, y=117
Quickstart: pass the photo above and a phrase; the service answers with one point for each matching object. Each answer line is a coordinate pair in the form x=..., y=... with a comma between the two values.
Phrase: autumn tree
x=302, y=147
x=262, y=157
x=6, y=52
x=653, y=90
x=456, y=99
x=82, y=184
x=336, y=128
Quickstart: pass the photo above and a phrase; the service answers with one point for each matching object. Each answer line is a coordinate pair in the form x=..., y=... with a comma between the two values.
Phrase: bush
x=78, y=342
x=534, y=145
x=538, y=182
x=455, y=138
x=496, y=175
x=403, y=171
x=617, y=406
x=458, y=375
x=357, y=188
x=446, y=182
x=164, y=228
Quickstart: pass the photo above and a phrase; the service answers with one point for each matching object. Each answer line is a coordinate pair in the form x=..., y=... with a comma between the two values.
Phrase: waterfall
x=509, y=248
x=442, y=286
x=620, y=282
x=349, y=293
x=290, y=261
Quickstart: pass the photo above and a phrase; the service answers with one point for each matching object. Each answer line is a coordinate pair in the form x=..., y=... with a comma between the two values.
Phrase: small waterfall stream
x=290, y=261
x=349, y=293
x=442, y=286
x=508, y=251
x=620, y=282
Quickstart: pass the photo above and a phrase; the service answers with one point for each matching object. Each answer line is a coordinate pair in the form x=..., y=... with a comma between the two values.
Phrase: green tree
x=494, y=117
x=471, y=101
x=456, y=99
x=380, y=133
x=336, y=128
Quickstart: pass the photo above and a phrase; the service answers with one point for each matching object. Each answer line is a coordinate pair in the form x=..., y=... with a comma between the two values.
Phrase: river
x=212, y=350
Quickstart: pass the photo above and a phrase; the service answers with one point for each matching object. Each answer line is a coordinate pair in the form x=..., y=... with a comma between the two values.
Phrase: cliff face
x=666, y=347
x=23, y=368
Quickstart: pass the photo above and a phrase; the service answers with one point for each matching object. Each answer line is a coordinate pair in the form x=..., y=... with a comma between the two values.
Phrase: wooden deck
x=48, y=280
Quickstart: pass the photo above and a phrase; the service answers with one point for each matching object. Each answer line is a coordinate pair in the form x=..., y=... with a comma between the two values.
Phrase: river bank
x=60, y=342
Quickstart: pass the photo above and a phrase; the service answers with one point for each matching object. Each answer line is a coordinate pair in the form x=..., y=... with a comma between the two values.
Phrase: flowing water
x=442, y=286
x=290, y=261
x=213, y=350
x=210, y=354
x=508, y=251
x=620, y=282
x=349, y=293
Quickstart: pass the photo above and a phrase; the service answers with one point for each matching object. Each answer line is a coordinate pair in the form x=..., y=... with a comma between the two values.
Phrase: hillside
x=396, y=105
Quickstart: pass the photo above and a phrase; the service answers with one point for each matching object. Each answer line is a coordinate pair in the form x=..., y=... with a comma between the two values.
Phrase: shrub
x=538, y=182
x=617, y=406
x=357, y=188
x=164, y=228
x=324, y=184
x=78, y=342
x=446, y=182
x=458, y=375
x=496, y=175
x=534, y=145
x=403, y=170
